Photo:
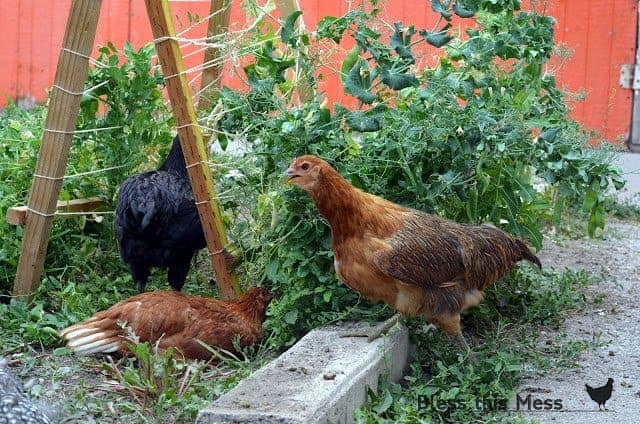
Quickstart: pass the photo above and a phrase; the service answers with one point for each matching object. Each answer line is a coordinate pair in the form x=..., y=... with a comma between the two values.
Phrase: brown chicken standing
x=419, y=264
x=173, y=319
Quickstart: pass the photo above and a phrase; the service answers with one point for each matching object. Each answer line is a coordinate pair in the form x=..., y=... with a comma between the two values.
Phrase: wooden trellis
x=218, y=23
x=60, y=125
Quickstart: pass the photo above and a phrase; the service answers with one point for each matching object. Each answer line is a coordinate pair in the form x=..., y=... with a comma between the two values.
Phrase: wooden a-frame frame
x=60, y=125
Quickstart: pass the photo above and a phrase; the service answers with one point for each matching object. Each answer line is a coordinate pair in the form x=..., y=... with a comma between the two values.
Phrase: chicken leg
x=461, y=342
x=140, y=275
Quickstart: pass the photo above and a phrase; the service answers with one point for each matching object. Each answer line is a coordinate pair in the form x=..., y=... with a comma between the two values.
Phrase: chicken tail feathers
x=148, y=215
x=93, y=336
x=527, y=254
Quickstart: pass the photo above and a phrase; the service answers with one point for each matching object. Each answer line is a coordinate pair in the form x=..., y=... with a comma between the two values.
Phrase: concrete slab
x=321, y=379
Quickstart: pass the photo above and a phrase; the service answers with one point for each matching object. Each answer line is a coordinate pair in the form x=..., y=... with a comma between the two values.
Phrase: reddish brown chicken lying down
x=419, y=264
x=175, y=320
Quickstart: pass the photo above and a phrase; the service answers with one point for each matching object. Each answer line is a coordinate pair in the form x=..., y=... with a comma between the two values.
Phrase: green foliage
x=162, y=385
x=23, y=324
x=465, y=139
x=159, y=381
x=125, y=108
x=20, y=132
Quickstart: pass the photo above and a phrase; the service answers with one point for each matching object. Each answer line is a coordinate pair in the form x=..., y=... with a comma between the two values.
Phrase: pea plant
x=469, y=138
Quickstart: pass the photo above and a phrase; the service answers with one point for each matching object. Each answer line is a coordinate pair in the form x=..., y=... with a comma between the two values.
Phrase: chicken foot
x=450, y=325
x=377, y=331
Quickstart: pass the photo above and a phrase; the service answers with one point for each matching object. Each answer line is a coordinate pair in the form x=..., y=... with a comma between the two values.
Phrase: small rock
x=625, y=375
x=626, y=384
x=292, y=369
x=329, y=376
x=612, y=353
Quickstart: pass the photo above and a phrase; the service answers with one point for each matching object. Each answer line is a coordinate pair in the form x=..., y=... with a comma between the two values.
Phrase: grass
x=150, y=387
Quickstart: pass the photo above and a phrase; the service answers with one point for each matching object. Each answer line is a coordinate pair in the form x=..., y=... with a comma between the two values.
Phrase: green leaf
x=358, y=82
x=462, y=11
x=398, y=81
x=273, y=270
x=62, y=351
x=436, y=38
x=402, y=43
x=360, y=121
x=291, y=317
x=332, y=27
x=327, y=296
x=558, y=208
x=384, y=404
x=549, y=134
x=590, y=200
x=223, y=141
x=349, y=61
x=441, y=8
x=596, y=219
x=288, y=30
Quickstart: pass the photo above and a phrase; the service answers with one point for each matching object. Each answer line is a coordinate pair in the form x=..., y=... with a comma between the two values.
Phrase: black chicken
x=601, y=394
x=157, y=222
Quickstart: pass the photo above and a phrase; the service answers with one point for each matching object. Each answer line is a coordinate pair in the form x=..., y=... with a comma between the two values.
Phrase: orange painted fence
x=601, y=36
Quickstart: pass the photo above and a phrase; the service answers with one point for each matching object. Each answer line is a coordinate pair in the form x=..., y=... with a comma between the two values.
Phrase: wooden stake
x=60, y=124
x=287, y=7
x=218, y=23
x=191, y=141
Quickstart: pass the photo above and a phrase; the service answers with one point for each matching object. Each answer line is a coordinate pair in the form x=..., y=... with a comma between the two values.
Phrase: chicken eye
x=305, y=166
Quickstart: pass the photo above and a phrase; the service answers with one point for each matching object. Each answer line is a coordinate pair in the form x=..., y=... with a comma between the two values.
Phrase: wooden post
x=287, y=7
x=218, y=22
x=191, y=141
x=60, y=124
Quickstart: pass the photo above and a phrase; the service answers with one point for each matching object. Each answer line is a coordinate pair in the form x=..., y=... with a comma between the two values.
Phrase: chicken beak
x=289, y=174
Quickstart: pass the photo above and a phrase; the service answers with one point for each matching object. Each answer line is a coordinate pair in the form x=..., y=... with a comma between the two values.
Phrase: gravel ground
x=615, y=321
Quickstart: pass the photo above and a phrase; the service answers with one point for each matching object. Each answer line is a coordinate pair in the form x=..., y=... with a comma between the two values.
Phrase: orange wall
x=601, y=34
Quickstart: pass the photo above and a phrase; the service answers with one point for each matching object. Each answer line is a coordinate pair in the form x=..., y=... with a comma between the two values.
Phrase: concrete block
x=322, y=379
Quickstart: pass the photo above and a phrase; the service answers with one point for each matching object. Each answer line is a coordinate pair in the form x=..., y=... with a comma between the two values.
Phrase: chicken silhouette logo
x=601, y=395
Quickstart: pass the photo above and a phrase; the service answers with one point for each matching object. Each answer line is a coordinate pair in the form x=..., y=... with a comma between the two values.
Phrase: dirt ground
x=615, y=321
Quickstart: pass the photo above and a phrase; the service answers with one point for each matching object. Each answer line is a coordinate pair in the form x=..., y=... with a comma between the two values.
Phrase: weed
x=623, y=208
